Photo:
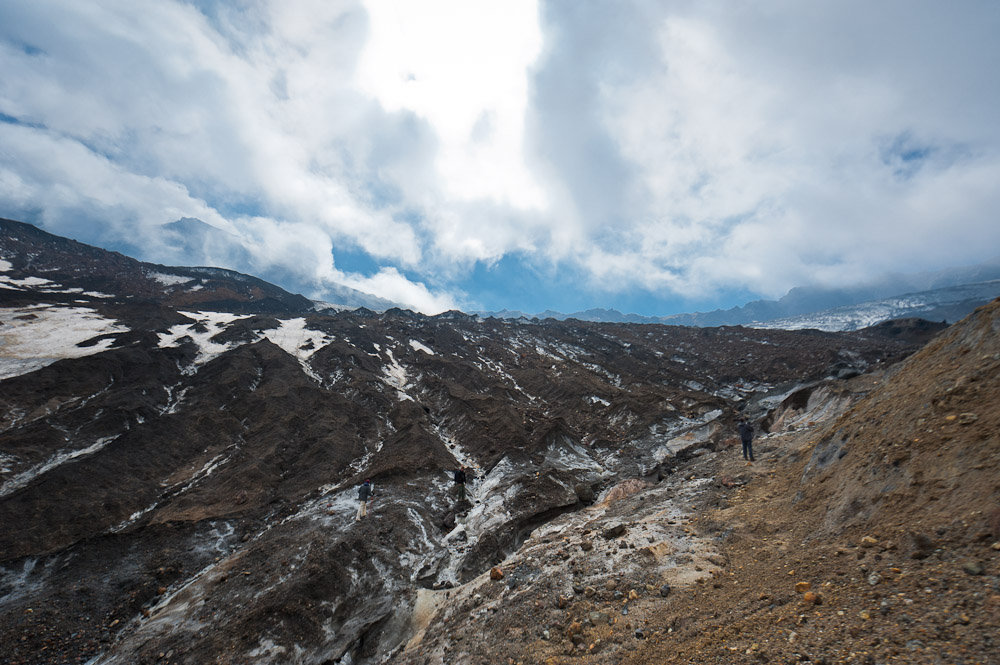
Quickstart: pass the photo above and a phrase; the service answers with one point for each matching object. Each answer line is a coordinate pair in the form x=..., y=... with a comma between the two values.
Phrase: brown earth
x=871, y=538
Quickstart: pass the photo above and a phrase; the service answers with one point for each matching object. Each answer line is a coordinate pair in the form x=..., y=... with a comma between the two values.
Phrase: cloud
x=642, y=147
x=733, y=149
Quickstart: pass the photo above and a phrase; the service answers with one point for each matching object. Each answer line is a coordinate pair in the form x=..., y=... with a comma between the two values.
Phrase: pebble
x=639, y=635
x=812, y=598
x=802, y=587
x=598, y=618
x=972, y=568
x=589, y=591
x=869, y=541
x=665, y=590
x=967, y=418
x=586, y=546
x=996, y=545
x=874, y=579
x=496, y=573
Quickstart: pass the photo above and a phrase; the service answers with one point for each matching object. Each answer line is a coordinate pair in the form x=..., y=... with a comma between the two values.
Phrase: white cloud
x=673, y=147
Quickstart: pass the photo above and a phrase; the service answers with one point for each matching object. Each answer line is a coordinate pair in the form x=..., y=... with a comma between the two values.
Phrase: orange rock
x=496, y=573
x=802, y=587
x=812, y=598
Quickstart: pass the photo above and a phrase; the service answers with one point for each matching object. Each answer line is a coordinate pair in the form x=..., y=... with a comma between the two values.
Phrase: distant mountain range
x=947, y=295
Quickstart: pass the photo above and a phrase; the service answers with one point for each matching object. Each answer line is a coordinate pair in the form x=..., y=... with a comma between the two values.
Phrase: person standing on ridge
x=460, y=478
x=746, y=436
x=364, y=492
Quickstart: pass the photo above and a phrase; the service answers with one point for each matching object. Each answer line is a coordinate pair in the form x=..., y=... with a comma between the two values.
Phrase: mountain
x=41, y=267
x=950, y=303
x=189, y=240
x=178, y=479
x=947, y=294
x=808, y=300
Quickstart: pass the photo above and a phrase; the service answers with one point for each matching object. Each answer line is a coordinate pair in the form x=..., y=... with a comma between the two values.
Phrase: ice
x=54, y=334
x=5, y=265
x=60, y=458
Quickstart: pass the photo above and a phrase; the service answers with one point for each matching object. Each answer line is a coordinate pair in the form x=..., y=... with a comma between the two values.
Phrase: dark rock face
x=187, y=483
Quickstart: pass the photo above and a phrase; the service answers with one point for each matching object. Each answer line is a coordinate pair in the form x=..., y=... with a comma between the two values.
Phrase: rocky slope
x=179, y=479
x=867, y=531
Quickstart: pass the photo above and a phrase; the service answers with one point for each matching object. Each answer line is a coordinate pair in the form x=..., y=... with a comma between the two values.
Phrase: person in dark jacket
x=460, y=478
x=364, y=493
x=746, y=436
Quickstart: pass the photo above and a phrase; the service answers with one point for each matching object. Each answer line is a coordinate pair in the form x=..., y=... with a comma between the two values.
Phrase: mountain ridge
x=179, y=483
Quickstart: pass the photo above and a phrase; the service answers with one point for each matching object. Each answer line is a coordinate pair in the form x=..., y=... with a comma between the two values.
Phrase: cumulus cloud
x=686, y=148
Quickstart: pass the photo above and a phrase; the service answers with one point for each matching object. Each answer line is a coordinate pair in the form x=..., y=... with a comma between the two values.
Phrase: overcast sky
x=652, y=156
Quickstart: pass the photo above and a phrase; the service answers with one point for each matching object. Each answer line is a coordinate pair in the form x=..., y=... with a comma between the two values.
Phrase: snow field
x=28, y=344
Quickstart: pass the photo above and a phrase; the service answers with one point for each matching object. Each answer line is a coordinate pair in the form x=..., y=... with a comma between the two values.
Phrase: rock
x=578, y=589
x=575, y=628
x=665, y=590
x=585, y=493
x=598, y=618
x=546, y=635
x=586, y=546
x=619, y=595
x=972, y=568
x=589, y=591
x=923, y=546
x=657, y=551
x=614, y=532
x=967, y=418
x=874, y=579
x=716, y=560
x=639, y=635
x=869, y=541
x=562, y=602
x=160, y=590
x=610, y=585
x=802, y=587
x=633, y=595
x=996, y=546
x=496, y=573
x=812, y=598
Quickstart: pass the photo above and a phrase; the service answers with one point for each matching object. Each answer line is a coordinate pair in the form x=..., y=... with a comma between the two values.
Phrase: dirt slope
x=889, y=513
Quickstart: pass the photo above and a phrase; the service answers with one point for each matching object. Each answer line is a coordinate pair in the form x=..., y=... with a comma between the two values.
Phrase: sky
x=649, y=156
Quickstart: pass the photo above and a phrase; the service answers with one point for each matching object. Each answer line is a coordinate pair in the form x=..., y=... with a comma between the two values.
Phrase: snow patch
x=54, y=333
x=169, y=280
x=213, y=322
x=420, y=347
x=296, y=340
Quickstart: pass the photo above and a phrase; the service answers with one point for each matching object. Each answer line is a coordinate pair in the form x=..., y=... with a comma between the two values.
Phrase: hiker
x=364, y=493
x=746, y=436
x=460, y=479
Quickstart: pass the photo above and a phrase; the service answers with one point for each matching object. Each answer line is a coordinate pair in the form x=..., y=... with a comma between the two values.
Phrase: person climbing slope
x=364, y=493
